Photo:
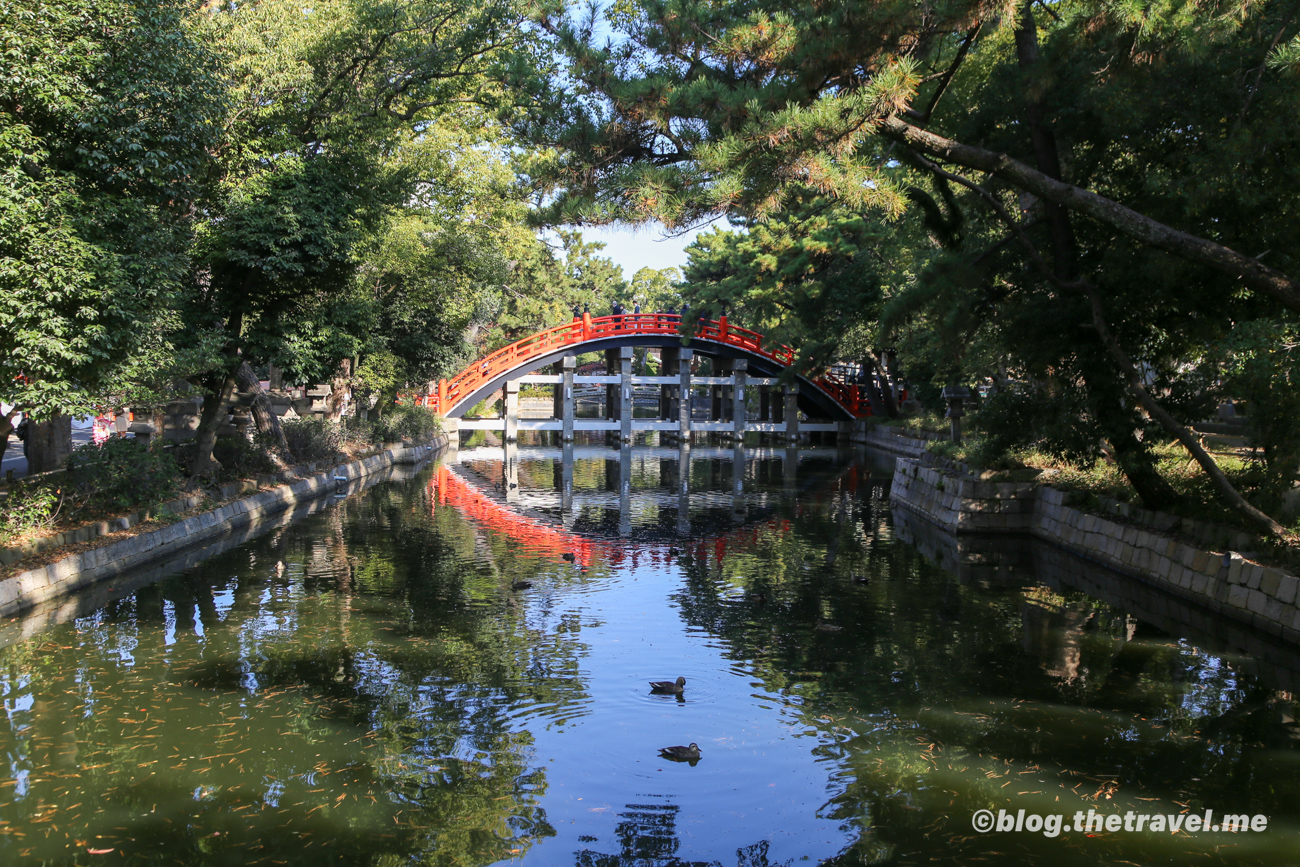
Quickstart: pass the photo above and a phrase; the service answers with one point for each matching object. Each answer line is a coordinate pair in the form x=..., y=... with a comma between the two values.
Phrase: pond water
x=370, y=686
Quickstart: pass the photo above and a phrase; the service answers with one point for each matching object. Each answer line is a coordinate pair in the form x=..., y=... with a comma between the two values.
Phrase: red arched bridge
x=823, y=396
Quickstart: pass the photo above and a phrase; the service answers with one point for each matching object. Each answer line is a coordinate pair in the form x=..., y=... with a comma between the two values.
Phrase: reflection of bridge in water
x=552, y=497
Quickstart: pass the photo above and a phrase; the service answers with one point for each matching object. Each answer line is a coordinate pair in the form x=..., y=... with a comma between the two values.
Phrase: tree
x=546, y=286
x=1070, y=157
x=319, y=96
x=106, y=119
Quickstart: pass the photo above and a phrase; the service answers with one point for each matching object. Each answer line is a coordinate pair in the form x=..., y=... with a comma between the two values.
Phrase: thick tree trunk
x=1251, y=272
x=48, y=444
x=264, y=417
x=6, y=428
x=215, y=404
x=1135, y=462
x=339, y=389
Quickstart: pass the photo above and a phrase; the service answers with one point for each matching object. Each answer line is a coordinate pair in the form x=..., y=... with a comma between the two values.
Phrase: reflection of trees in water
x=354, y=704
x=648, y=838
x=932, y=694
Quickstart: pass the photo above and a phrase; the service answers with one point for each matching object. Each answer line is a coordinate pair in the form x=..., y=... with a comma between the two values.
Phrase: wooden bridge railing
x=579, y=331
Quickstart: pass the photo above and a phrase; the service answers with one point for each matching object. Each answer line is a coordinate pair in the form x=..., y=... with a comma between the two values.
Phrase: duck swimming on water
x=682, y=754
x=674, y=686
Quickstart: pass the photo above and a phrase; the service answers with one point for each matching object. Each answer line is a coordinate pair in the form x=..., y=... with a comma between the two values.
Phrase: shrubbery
x=414, y=423
x=312, y=439
x=241, y=459
x=27, y=507
x=122, y=474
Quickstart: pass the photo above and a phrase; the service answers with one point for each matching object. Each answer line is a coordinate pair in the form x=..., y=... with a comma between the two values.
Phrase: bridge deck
x=661, y=329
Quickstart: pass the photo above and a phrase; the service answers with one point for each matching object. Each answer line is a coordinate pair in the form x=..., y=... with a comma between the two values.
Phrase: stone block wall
x=44, y=583
x=967, y=504
x=1265, y=597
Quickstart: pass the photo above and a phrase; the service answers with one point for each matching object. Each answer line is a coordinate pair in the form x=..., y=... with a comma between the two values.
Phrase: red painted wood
x=577, y=332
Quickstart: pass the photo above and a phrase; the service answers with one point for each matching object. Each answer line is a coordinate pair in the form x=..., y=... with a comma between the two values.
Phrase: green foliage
x=312, y=439
x=789, y=275
x=417, y=424
x=547, y=284
x=107, y=114
x=1056, y=423
x=241, y=459
x=1261, y=365
x=122, y=474
x=27, y=507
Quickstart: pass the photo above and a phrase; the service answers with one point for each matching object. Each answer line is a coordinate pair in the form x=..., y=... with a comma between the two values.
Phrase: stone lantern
x=956, y=396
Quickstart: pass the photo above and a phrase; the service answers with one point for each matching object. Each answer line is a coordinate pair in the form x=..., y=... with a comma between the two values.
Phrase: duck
x=828, y=627
x=861, y=579
x=676, y=687
x=568, y=555
x=520, y=585
x=673, y=552
x=681, y=754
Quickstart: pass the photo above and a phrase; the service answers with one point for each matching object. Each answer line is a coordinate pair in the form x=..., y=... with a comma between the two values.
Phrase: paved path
x=14, y=460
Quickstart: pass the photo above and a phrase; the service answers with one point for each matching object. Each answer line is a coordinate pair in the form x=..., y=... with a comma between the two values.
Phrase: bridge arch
x=822, y=396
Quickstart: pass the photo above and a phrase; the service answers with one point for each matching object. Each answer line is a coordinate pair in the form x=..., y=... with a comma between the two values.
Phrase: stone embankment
x=1216, y=576
x=80, y=570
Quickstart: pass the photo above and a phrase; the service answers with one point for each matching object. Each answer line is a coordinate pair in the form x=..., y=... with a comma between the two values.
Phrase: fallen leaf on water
x=99, y=851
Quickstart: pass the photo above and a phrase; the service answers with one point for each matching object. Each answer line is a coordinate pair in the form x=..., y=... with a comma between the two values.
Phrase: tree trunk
x=1230, y=494
x=264, y=417
x=6, y=428
x=1135, y=463
x=48, y=444
x=338, y=390
x=1250, y=272
x=215, y=403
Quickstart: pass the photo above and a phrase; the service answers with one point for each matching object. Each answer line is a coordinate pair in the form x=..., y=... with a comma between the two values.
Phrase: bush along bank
x=33, y=586
x=122, y=483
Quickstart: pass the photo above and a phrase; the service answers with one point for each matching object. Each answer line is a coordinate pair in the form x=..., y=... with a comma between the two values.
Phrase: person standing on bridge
x=617, y=310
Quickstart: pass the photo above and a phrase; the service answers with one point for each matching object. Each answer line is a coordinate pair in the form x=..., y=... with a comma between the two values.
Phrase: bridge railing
x=451, y=392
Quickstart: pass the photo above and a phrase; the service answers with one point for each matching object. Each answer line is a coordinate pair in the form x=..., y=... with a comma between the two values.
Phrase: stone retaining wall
x=895, y=440
x=71, y=573
x=1224, y=581
x=998, y=560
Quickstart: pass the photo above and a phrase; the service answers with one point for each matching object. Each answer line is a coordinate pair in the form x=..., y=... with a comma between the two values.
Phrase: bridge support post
x=566, y=486
x=510, y=412
x=739, y=407
x=568, y=365
x=792, y=412
x=625, y=356
x=510, y=471
x=764, y=403
x=685, y=357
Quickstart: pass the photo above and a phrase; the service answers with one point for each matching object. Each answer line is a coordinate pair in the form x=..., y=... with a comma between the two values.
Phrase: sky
x=635, y=248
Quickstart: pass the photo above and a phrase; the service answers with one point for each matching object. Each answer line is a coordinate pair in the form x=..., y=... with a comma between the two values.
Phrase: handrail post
x=442, y=396
x=586, y=326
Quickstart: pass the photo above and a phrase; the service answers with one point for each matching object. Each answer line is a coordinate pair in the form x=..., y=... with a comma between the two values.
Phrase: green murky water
x=365, y=687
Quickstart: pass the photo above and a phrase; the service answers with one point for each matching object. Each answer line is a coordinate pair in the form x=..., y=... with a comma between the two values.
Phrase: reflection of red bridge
x=831, y=396
x=447, y=488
